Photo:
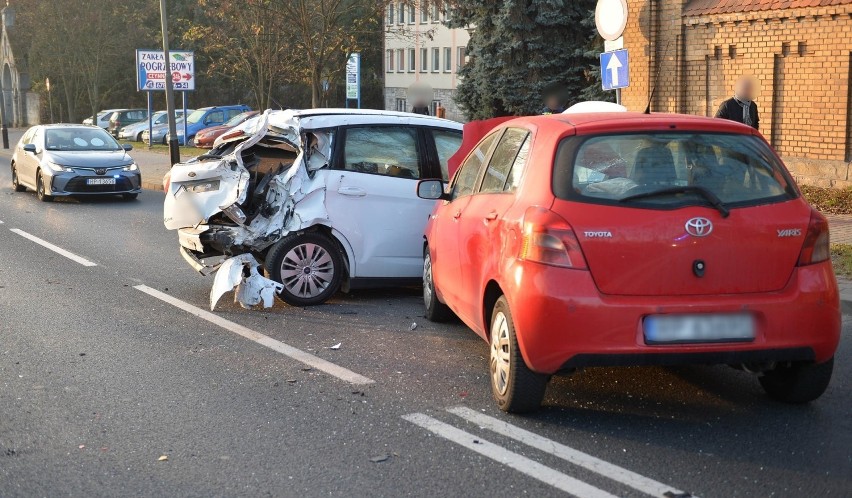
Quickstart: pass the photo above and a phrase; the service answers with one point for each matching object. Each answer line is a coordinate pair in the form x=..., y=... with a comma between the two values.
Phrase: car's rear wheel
x=797, y=382
x=309, y=265
x=516, y=388
x=41, y=194
x=16, y=184
x=436, y=311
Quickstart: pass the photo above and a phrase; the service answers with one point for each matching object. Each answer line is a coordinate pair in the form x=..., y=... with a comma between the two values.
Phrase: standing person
x=741, y=107
x=421, y=108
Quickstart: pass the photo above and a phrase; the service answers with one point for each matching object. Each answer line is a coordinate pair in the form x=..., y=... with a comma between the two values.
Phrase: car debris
x=240, y=273
x=336, y=346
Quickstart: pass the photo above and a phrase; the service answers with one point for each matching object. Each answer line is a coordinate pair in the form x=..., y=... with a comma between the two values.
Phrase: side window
x=215, y=117
x=37, y=137
x=447, y=143
x=469, y=170
x=28, y=136
x=231, y=113
x=502, y=160
x=382, y=150
x=518, y=166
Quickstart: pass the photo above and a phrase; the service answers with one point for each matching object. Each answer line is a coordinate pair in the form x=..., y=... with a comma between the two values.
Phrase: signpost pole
x=150, y=120
x=174, y=151
x=49, y=98
x=185, y=126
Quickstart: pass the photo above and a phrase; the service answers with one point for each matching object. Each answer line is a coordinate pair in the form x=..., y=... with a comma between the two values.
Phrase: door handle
x=352, y=191
x=491, y=216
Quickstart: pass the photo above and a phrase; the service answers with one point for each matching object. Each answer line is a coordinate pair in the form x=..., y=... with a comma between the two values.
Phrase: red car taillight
x=550, y=240
x=816, y=247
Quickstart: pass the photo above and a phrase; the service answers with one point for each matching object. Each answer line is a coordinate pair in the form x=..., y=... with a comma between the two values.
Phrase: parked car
x=160, y=133
x=324, y=197
x=120, y=119
x=207, y=117
x=103, y=118
x=613, y=239
x=134, y=131
x=70, y=159
x=205, y=138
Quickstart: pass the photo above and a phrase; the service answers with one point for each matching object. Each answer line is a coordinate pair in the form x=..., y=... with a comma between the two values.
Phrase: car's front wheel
x=308, y=265
x=797, y=382
x=436, y=311
x=129, y=197
x=41, y=194
x=16, y=184
x=516, y=388
x=139, y=137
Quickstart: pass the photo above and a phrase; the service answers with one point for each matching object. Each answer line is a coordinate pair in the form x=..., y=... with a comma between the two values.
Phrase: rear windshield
x=670, y=170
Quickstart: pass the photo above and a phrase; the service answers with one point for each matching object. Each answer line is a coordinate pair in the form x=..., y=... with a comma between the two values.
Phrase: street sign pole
x=185, y=126
x=150, y=120
x=174, y=151
x=49, y=98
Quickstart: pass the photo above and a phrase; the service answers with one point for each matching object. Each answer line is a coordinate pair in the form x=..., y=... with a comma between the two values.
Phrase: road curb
x=158, y=186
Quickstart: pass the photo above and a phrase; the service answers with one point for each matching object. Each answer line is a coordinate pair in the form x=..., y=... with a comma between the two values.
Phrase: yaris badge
x=699, y=227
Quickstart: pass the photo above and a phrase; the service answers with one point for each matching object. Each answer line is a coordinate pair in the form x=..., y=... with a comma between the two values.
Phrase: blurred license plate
x=674, y=329
x=100, y=181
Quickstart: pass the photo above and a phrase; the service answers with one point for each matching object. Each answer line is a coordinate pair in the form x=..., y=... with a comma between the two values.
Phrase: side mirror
x=432, y=190
x=127, y=147
x=31, y=148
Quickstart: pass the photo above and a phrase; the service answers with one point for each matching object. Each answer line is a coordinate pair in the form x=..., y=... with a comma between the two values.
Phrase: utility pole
x=3, y=130
x=174, y=151
x=49, y=98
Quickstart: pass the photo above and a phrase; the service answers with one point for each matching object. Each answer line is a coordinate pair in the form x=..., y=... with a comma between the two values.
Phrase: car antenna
x=656, y=78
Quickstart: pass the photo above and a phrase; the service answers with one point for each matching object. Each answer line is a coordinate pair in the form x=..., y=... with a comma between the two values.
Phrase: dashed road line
x=576, y=457
x=285, y=349
x=54, y=248
x=508, y=458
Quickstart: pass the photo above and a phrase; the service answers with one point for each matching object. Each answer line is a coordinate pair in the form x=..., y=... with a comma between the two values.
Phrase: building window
x=400, y=60
x=448, y=59
x=447, y=13
x=401, y=19
x=436, y=60
x=411, y=60
x=424, y=16
x=436, y=13
x=390, y=14
x=424, y=60
x=401, y=105
x=460, y=57
x=389, y=61
x=411, y=14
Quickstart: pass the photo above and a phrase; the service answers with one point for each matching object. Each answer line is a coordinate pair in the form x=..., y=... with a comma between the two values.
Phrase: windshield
x=160, y=117
x=195, y=116
x=670, y=170
x=79, y=139
x=239, y=118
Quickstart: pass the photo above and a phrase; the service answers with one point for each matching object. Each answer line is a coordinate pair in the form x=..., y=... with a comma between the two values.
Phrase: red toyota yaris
x=609, y=239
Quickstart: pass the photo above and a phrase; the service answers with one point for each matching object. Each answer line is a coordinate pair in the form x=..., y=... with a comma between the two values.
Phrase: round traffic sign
x=611, y=18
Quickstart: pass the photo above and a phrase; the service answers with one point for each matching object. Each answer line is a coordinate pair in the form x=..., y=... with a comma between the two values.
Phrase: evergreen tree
x=520, y=50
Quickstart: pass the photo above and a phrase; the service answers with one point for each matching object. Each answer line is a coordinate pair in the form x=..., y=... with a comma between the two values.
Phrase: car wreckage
x=324, y=200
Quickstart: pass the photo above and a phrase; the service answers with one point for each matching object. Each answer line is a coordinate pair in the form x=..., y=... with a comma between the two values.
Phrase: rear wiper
x=686, y=189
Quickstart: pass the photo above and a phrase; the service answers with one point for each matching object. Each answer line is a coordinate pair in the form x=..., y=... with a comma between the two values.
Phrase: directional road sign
x=614, y=70
x=151, y=70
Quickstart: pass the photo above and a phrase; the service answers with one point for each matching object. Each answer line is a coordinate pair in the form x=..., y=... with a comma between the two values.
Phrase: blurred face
x=552, y=102
x=745, y=89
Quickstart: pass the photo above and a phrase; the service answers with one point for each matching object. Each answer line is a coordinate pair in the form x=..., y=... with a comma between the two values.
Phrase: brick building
x=799, y=51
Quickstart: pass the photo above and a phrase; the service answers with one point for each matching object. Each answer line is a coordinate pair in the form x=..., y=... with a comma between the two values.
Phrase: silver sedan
x=70, y=159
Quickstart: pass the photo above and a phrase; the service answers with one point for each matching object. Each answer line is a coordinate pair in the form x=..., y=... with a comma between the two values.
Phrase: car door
x=371, y=199
x=444, y=245
x=28, y=161
x=480, y=229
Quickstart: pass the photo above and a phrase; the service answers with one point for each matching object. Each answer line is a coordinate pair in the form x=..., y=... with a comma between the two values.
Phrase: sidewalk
x=840, y=226
x=153, y=165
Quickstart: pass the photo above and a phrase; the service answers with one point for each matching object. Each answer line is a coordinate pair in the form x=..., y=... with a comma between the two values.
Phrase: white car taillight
x=816, y=247
x=550, y=240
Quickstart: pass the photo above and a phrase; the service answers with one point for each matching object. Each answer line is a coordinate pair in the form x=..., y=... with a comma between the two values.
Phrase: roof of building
x=710, y=7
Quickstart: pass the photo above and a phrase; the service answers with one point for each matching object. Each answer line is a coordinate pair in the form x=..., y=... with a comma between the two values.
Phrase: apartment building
x=421, y=50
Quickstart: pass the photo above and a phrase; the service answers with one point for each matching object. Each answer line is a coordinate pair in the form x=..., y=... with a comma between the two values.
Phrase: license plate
x=100, y=181
x=680, y=329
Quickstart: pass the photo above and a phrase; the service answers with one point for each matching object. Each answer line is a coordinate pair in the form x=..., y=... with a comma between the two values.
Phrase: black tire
x=139, y=137
x=309, y=265
x=436, y=311
x=515, y=387
x=797, y=383
x=40, y=192
x=129, y=197
x=16, y=185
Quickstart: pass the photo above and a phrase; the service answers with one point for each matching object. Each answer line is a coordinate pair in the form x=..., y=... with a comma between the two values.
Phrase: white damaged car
x=325, y=199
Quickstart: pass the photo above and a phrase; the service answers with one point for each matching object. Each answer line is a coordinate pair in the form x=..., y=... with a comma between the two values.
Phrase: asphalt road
x=108, y=363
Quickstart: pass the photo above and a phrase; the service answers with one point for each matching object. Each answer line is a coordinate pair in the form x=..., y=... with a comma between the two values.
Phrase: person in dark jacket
x=420, y=107
x=741, y=107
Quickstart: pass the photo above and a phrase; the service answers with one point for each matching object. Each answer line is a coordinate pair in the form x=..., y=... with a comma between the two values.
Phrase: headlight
x=130, y=167
x=56, y=168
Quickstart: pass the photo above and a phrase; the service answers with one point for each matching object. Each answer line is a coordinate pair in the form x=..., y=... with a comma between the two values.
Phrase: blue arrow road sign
x=614, y=70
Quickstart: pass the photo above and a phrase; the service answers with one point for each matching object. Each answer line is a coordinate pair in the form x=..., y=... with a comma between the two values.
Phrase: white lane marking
x=499, y=454
x=602, y=467
x=56, y=249
x=285, y=349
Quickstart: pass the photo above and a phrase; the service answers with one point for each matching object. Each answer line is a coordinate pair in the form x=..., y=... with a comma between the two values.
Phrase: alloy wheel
x=307, y=270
